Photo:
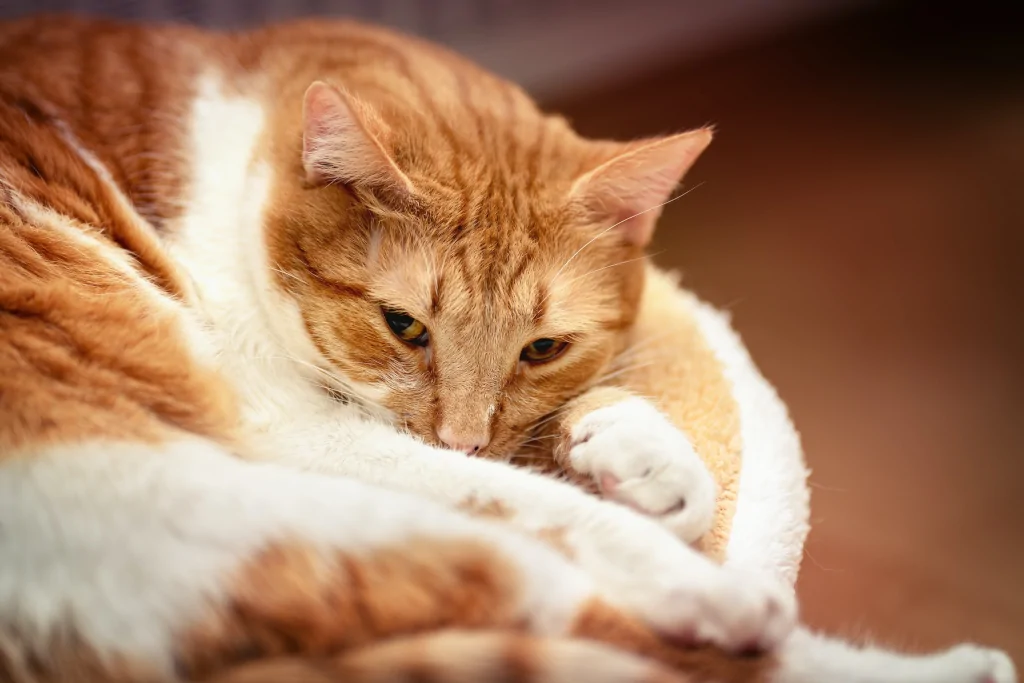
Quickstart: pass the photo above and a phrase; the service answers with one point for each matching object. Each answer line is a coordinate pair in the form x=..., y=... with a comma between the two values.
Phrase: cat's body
x=202, y=254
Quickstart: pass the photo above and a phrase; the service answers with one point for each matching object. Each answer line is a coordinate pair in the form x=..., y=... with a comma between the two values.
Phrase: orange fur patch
x=603, y=623
x=66, y=659
x=686, y=380
x=491, y=509
x=298, y=600
x=456, y=657
x=85, y=352
x=123, y=90
x=557, y=538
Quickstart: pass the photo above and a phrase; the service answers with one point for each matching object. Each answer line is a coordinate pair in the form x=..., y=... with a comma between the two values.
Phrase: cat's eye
x=542, y=350
x=407, y=328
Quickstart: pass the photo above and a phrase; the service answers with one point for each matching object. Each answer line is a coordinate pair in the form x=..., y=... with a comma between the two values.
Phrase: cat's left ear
x=342, y=142
x=629, y=188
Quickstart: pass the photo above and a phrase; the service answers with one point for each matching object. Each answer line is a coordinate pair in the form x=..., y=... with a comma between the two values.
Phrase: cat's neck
x=217, y=237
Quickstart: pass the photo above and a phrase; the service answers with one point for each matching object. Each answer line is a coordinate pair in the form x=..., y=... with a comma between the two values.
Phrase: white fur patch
x=129, y=544
x=809, y=658
x=772, y=510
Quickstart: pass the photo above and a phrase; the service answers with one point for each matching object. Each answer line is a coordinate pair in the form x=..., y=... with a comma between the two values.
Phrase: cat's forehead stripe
x=436, y=291
x=540, y=305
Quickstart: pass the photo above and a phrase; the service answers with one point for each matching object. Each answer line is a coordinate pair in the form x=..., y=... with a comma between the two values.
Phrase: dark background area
x=862, y=216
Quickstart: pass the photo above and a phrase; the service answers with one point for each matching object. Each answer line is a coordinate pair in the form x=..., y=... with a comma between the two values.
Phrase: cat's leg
x=636, y=456
x=636, y=563
x=812, y=661
x=810, y=658
x=667, y=358
x=154, y=562
x=461, y=657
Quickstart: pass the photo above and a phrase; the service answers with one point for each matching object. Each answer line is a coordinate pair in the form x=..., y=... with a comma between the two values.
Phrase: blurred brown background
x=860, y=215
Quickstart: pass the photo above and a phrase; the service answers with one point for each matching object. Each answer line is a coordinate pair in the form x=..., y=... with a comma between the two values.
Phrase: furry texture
x=217, y=459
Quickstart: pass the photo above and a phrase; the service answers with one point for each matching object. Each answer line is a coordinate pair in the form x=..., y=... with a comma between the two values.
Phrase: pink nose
x=469, y=444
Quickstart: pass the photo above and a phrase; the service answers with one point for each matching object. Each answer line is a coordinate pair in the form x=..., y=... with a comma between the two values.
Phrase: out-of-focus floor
x=862, y=215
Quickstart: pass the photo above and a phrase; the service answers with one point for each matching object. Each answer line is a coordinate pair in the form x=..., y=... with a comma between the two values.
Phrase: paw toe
x=687, y=507
x=609, y=484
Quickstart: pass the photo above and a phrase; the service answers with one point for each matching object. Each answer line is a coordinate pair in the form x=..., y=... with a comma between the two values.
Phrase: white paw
x=640, y=459
x=735, y=611
x=973, y=664
x=679, y=592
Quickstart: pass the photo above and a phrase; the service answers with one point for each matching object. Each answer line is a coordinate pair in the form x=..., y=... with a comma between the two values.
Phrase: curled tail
x=461, y=657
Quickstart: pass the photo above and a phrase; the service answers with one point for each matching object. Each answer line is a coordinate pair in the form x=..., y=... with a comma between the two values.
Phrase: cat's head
x=467, y=269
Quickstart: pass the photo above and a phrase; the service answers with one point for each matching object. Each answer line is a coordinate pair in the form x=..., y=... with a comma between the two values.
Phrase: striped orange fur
x=220, y=459
x=94, y=168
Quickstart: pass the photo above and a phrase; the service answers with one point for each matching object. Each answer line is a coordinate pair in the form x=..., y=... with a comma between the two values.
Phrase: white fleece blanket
x=773, y=505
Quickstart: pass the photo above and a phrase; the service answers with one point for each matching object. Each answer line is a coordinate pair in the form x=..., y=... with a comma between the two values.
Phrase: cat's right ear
x=629, y=189
x=339, y=143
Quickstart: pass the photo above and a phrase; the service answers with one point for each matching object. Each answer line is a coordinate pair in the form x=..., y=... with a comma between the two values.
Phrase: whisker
x=527, y=457
x=536, y=439
x=620, y=263
x=612, y=227
x=280, y=270
x=630, y=368
x=545, y=419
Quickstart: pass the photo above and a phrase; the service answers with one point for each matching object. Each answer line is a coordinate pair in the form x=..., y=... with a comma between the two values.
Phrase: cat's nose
x=471, y=444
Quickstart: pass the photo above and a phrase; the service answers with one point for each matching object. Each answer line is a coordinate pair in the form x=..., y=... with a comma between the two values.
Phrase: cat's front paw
x=733, y=610
x=638, y=458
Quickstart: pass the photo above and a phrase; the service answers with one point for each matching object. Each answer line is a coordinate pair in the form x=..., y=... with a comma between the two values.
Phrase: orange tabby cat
x=257, y=292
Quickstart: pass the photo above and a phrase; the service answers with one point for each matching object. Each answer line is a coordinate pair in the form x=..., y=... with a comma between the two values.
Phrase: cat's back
x=422, y=90
x=92, y=341
x=73, y=57
x=122, y=89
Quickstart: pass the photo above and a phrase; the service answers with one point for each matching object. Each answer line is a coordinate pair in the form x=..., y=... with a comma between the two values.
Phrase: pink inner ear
x=631, y=188
x=337, y=146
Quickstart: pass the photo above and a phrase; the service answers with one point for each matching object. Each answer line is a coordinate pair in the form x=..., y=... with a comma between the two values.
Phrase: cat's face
x=472, y=288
